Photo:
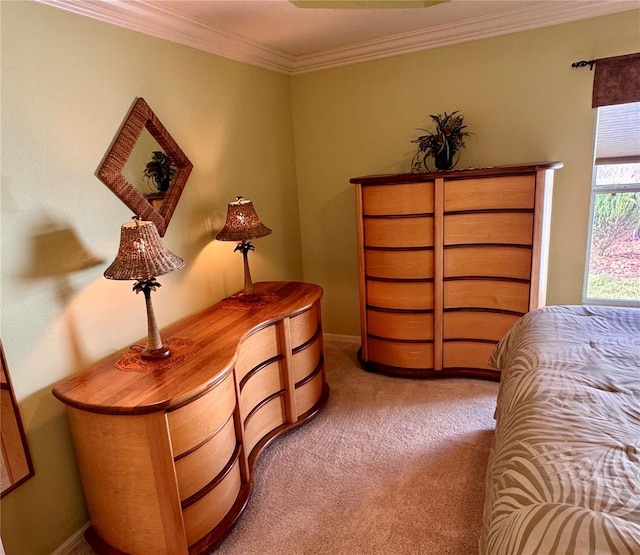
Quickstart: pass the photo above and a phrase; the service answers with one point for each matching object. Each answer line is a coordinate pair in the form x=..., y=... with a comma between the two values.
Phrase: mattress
x=564, y=470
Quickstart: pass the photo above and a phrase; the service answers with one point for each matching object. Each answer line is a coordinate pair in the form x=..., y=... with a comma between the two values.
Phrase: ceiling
x=278, y=35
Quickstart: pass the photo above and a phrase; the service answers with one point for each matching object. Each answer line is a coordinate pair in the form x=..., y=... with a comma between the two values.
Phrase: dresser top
x=214, y=335
x=463, y=173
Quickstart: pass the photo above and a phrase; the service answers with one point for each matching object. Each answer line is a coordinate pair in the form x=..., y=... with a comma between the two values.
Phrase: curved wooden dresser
x=166, y=453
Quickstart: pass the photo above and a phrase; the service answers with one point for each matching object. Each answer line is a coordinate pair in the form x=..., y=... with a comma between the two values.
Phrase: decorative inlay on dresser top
x=166, y=456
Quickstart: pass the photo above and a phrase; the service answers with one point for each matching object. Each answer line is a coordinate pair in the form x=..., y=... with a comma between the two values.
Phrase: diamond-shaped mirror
x=145, y=167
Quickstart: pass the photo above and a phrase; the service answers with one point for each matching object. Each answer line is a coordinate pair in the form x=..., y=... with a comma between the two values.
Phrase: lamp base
x=155, y=354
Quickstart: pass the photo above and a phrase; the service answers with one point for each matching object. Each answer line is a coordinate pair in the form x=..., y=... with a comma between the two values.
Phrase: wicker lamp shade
x=141, y=254
x=243, y=224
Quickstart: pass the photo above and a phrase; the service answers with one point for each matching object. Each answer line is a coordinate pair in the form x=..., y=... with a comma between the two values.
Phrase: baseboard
x=340, y=337
x=73, y=542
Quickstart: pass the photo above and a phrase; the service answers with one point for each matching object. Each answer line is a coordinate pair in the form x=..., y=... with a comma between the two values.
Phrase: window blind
x=616, y=94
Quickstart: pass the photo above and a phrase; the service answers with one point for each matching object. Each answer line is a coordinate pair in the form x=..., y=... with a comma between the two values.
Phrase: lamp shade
x=242, y=222
x=141, y=254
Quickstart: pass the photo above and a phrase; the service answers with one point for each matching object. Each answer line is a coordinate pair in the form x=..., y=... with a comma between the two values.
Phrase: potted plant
x=442, y=144
x=159, y=171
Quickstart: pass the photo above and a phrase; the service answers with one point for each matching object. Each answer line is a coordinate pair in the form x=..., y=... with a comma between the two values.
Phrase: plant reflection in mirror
x=159, y=171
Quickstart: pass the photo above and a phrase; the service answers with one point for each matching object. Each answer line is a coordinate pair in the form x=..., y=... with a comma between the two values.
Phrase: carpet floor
x=391, y=466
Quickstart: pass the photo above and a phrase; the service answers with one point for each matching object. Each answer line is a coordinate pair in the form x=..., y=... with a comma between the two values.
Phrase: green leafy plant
x=615, y=215
x=160, y=171
x=442, y=144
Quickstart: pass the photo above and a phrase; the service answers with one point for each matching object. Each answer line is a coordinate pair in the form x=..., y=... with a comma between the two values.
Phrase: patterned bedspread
x=564, y=472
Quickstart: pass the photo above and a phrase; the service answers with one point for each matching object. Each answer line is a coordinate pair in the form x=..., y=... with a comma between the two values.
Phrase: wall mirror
x=16, y=460
x=145, y=167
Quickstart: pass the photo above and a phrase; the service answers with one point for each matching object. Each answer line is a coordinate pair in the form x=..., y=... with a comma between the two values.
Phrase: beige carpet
x=390, y=467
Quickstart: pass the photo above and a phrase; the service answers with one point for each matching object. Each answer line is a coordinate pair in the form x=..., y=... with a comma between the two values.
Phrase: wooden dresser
x=448, y=262
x=166, y=454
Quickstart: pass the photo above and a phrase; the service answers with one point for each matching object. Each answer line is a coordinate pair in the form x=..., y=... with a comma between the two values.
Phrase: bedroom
x=67, y=82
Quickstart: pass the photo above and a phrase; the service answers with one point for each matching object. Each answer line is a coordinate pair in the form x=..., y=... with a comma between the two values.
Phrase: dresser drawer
x=400, y=354
x=399, y=264
x=469, y=324
x=467, y=354
x=198, y=468
x=404, y=294
x=490, y=193
x=488, y=261
x=304, y=326
x=507, y=228
x=479, y=293
x=309, y=393
x=398, y=232
x=405, y=198
x=306, y=360
x=259, y=385
x=206, y=513
x=191, y=424
x=262, y=421
x=400, y=325
x=259, y=347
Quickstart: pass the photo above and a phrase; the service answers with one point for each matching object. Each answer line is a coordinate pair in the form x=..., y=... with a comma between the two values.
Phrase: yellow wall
x=519, y=96
x=67, y=83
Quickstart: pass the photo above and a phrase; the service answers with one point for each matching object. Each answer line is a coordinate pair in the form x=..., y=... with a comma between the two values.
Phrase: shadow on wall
x=55, y=253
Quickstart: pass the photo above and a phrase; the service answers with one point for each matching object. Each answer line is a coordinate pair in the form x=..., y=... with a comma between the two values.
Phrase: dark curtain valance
x=617, y=80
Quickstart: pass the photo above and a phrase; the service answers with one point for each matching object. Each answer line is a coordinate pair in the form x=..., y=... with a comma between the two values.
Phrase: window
x=613, y=264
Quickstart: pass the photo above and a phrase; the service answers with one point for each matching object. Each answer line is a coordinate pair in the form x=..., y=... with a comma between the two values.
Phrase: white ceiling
x=277, y=35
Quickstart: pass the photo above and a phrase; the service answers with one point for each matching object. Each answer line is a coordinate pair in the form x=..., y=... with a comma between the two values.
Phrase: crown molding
x=520, y=19
x=151, y=18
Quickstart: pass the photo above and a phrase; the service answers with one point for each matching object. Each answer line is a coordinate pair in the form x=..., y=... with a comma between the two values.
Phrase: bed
x=564, y=470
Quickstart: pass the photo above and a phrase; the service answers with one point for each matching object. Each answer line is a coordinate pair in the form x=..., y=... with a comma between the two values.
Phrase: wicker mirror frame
x=111, y=173
x=17, y=466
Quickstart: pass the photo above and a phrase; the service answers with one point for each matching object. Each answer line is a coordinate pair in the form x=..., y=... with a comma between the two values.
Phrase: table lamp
x=242, y=225
x=142, y=257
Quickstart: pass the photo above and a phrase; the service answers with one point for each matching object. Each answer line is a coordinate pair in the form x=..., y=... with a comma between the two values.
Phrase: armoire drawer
x=402, y=354
x=489, y=193
x=399, y=264
x=469, y=324
x=400, y=325
x=479, y=293
x=206, y=513
x=514, y=228
x=400, y=294
x=398, y=232
x=186, y=425
x=406, y=198
x=266, y=381
x=488, y=261
x=467, y=354
x=259, y=347
x=196, y=469
x=303, y=326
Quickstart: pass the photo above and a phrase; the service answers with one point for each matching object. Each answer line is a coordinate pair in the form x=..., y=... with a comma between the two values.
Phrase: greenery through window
x=614, y=258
